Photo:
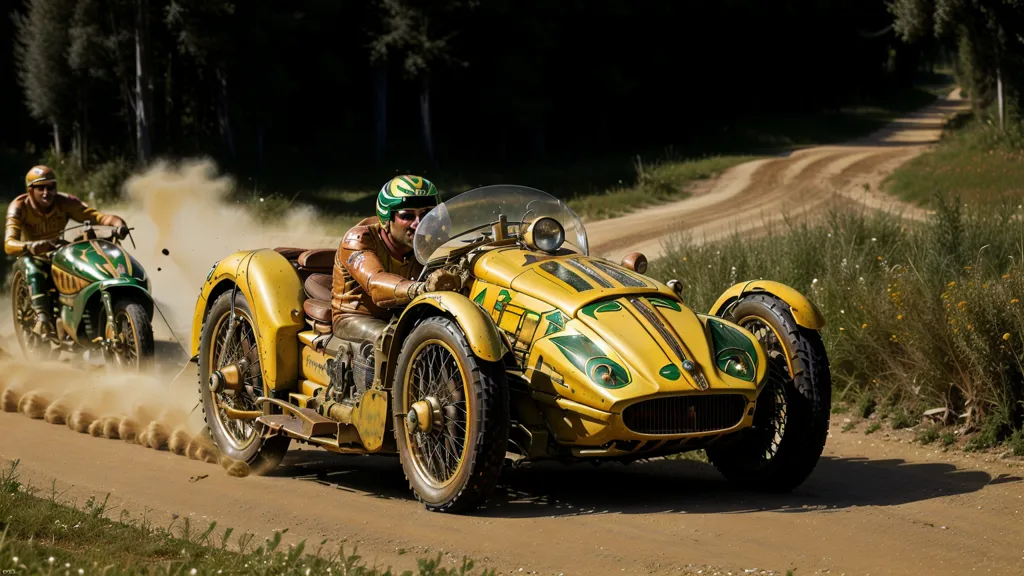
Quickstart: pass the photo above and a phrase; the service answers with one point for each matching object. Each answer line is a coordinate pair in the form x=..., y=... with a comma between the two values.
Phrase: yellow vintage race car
x=545, y=353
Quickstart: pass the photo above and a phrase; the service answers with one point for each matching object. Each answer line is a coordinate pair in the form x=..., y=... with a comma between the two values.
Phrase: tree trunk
x=56, y=137
x=142, y=83
x=382, y=110
x=428, y=135
x=224, y=114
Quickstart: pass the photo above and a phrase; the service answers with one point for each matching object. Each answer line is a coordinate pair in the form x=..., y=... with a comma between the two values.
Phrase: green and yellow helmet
x=405, y=192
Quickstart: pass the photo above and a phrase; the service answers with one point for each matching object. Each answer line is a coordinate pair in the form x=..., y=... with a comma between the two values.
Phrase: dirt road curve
x=754, y=195
x=872, y=506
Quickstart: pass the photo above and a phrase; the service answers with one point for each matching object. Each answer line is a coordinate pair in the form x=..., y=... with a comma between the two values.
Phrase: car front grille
x=685, y=414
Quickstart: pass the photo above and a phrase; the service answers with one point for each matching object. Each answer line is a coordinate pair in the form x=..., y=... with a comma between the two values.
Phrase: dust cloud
x=184, y=222
x=148, y=410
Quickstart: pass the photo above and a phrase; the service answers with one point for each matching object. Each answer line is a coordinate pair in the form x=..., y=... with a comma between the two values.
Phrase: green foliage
x=874, y=427
x=976, y=160
x=41, y=534
x=927, y=435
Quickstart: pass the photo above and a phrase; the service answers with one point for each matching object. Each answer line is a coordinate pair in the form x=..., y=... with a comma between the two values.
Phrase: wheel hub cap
x=425, y=415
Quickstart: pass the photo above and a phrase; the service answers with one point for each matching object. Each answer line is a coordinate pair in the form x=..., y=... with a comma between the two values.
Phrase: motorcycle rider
x=35, y=220
x=375, y=269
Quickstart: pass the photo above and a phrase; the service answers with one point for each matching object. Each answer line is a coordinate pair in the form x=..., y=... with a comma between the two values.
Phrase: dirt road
x=871, y=507
x=752, y=196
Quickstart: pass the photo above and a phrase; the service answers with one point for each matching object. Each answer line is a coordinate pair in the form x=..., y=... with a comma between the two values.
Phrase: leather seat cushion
x=318, y=310
x=289, y=252
x=319, y=286
x=319, y=259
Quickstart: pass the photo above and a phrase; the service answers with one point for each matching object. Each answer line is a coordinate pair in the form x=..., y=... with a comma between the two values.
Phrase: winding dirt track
x=873, y=506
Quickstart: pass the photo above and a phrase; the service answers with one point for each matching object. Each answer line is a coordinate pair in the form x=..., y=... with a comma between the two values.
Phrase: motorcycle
x=101, y=301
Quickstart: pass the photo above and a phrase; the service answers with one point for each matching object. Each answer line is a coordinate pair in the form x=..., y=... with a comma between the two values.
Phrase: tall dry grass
x=919, y=315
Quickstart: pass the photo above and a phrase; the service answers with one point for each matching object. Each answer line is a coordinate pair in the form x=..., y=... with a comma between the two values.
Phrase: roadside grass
x=973, y=160
x=919, y=316
x=43, y=535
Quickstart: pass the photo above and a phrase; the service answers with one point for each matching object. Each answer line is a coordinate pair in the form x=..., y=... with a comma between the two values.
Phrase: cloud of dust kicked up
x=140, y=409
x=184, y=210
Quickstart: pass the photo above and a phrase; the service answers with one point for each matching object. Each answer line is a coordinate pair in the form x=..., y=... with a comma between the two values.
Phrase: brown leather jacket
x=26, y=223
x=367, y=278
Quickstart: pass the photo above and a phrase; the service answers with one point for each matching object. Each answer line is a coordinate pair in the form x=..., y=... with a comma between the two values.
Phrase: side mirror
x=635, y=261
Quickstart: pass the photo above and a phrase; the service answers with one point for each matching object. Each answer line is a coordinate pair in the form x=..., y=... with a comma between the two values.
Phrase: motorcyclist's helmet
x=405, y=191
x=39, y=175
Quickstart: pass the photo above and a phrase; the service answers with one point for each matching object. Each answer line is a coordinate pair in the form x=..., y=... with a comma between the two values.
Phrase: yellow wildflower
x=1006, y=336
x=1014, y=301
x=961, y=303
x=1005, y=276
x=899, y=317
x=951, y=284
x=863, y=326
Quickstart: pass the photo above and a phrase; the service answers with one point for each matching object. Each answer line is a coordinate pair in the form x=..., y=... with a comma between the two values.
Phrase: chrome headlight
x=545, y=234
x=734, y=352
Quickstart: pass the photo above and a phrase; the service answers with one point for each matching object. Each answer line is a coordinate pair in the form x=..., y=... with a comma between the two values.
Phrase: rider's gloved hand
x=121, y=231
x=440, y=280
x=40, y=247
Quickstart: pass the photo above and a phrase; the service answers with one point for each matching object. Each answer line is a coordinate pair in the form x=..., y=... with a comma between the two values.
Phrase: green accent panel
x=82, y=298
x=565, y=275
x=503, y=298
x=670, y=372
x=733, y=349
x=479, y=299
x=663, y=303
x=556, y=322
x=590, y=359
x=592, y=309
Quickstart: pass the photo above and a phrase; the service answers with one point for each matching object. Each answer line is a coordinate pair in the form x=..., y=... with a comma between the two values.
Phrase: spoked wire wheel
x=33, y=346
x=232, y=344
x=230, y=414
x=437, y=429
x=782, y=447
x=133, y=347
x=451, y=417
x=770, y=413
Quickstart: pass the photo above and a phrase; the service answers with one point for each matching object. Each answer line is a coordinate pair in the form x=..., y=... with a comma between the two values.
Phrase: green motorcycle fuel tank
x=87, y=274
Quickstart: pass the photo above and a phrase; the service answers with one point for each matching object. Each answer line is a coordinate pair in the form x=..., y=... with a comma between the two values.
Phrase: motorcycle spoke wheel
x=436, y=381
x=227, y=349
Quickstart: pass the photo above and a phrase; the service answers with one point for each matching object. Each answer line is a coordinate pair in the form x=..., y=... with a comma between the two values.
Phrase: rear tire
x=455, y=466
x=32, y=345
x=791, y=419
x=262, y=455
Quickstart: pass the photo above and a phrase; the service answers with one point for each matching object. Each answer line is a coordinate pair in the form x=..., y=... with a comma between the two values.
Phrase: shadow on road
x=679, y=486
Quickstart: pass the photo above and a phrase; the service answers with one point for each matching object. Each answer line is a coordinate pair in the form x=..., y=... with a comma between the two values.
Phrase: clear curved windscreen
x=464, y=218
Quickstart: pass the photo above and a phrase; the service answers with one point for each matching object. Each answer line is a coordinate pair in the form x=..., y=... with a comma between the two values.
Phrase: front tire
x=238, y=439
x=453, y=449
x=134, y=329
x=791, y=419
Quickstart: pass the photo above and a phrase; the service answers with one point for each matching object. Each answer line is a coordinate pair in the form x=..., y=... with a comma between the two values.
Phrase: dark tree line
x=317, y=87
